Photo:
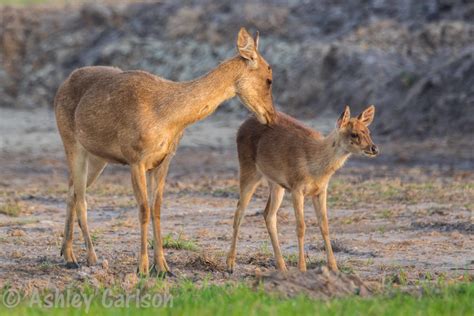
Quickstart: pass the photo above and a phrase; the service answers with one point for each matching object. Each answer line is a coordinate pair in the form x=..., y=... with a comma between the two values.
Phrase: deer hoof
x=92, y=260
x=159, y=273
x=72, y=265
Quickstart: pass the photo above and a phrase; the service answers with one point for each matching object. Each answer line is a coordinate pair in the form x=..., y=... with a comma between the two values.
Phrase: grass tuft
x=179, y=242
x=10, y=208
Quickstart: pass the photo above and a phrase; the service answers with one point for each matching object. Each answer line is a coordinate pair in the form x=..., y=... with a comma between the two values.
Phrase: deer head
x=353, y=133
x=254, y=84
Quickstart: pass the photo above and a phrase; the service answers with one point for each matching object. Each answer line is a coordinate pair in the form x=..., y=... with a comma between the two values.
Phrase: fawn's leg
x=298, y=204
x=140, y=191
x=319, y=202
x=157, y=179
x=270, y=214
x=248, y=183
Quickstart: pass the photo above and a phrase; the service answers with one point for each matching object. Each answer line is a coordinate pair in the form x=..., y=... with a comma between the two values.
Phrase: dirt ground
x=402, y=218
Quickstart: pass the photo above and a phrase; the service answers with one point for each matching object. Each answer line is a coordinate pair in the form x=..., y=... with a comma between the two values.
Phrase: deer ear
x=344, y=118
x=367, y=116
x=246, y=46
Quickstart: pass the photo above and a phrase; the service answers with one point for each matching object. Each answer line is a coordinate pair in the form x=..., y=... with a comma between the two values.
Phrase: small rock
x=105, y=264
x=17, y=233
x=16, y=254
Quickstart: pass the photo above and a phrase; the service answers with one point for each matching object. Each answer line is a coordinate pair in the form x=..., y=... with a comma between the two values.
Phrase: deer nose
x=374, y=149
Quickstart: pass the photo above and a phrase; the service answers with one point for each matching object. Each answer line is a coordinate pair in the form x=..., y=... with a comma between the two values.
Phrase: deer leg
x=140, y=190
x=248, y=184
x=66, y=249
x=298, y=204
x=319, y=202
x=270, y=214
x=80, y=174
x=95, y=168
x=157, y=182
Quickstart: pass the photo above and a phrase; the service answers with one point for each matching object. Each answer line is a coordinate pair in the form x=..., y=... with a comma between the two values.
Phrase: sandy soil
x=405, y=217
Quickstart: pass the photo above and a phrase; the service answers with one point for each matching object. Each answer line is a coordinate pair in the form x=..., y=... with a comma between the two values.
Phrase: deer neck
x=200, y=97
x=329, y=156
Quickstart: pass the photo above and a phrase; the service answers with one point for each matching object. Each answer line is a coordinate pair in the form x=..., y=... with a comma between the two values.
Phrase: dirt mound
x=318, y=283
x=412, y=59
x=203, y=262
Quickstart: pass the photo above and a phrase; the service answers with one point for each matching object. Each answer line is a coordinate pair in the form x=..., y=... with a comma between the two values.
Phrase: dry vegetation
x=403, y=221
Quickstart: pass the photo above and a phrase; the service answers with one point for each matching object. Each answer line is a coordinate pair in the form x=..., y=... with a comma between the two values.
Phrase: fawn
x=294, y=157
x=106, y=115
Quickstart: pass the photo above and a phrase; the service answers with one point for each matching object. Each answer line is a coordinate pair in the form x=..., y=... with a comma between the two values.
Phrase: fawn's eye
x=269, y=81
x=354, y=135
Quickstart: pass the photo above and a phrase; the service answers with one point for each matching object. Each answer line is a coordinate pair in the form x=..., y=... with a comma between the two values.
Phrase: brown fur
x=107, y=115
x=294, y=157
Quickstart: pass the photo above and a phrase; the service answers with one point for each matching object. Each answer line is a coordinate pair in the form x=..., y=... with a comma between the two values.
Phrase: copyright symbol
x=11, y=298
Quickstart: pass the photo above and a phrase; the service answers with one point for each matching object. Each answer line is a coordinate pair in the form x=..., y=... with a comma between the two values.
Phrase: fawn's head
x=254, y=85
x=354, y=134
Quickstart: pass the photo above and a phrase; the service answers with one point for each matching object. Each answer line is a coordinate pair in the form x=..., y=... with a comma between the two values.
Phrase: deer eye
x=269, y=81
x=354, y=135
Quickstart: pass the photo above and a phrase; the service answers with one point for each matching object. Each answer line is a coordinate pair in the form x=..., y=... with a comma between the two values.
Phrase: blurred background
x=406, y=215
x=413, y=59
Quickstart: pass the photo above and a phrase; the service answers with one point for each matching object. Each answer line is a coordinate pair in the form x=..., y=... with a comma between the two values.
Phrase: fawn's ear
x=344, y=118
x=367, y=116
x=247, y=47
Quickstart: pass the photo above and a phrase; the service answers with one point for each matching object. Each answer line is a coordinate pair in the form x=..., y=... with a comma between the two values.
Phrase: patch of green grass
x=10, y=208
x=230, y=191
x=95, y=236
x=179, y=242
x=45, y=265
x=346, y=267
x=292, y=259
x=386, y=214
x=369, y=262
x=188, y=299
x=399, y=277
x=265, y=249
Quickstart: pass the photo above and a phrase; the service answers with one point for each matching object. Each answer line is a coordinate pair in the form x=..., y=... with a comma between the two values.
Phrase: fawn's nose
x=374, y=149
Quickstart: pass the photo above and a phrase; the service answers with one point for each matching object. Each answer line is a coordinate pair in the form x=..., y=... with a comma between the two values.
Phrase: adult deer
x=106, y=115
x=296, y=158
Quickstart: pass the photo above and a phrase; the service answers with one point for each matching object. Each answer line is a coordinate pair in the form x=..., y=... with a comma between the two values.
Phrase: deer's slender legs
x=140, y=191
x=83, y=168
x=95, y=168
x=319, y=202
x=270, y=214
x=79, y=175
x=248, y=183
x=298, y=204
x=66, y=249
x=157, y=181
